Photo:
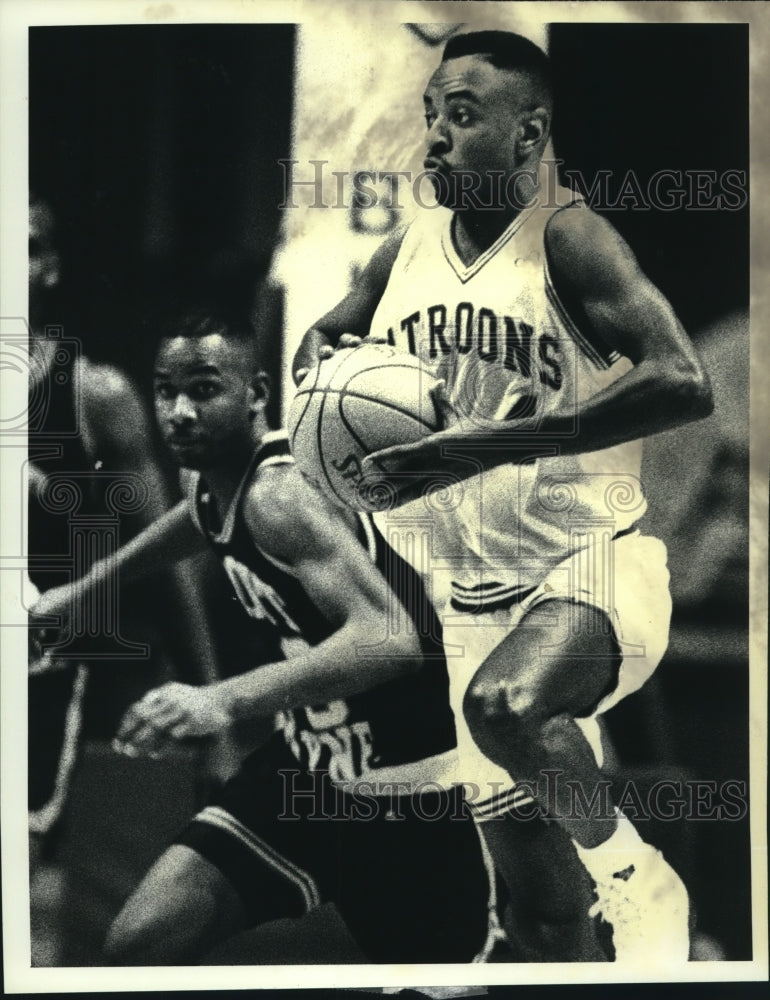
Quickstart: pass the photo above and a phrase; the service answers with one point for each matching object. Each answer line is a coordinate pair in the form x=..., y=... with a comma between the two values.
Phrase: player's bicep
x=339, y=578
x=633, y=317
x=292, y=524
x=599, y=273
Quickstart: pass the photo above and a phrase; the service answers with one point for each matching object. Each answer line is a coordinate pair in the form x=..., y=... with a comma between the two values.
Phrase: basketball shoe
x=640, y=897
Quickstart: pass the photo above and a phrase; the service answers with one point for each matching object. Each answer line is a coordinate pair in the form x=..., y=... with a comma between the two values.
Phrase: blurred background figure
x=166, y=183
x=94, y=478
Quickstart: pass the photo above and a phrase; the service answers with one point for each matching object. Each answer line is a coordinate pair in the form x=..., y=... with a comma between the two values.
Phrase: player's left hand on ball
x=168, y=714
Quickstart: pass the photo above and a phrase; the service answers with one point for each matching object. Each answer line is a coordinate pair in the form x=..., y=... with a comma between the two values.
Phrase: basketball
x=358, y=401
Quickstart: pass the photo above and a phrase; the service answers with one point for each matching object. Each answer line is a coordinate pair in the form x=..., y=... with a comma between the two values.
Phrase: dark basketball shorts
x=408, y=874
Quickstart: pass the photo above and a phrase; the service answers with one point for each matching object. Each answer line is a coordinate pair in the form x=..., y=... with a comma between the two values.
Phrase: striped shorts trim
x=510, y=800
x=301, y=879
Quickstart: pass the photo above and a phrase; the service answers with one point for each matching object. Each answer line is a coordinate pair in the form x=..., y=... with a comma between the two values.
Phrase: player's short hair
x=197, y=323
x=504, y=50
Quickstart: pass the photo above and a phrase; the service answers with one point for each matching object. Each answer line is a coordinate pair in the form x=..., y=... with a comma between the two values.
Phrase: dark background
x=648, y=98
x=655, y=97
x=157, y=149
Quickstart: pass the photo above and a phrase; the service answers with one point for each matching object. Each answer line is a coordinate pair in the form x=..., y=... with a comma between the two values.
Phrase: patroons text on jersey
x=496, y=339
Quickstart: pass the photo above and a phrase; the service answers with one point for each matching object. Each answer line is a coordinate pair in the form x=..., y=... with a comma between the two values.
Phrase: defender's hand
x=46, y=624
x=53, y=606
x=171, y=713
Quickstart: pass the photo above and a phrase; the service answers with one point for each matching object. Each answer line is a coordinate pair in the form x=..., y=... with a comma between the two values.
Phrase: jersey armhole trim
x=191, y=486
x=278, y=563
x=591, y=348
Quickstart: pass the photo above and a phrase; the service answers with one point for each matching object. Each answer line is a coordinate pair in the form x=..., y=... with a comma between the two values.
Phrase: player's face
x=204, y=400
x=473, y=112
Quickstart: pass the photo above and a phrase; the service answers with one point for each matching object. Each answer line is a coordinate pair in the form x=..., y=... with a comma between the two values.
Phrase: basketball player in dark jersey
x=558, y=357
x=350, y=800
x=87, y=429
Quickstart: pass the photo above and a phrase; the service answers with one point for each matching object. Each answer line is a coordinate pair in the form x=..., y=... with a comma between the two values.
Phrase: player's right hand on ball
x=346, y=341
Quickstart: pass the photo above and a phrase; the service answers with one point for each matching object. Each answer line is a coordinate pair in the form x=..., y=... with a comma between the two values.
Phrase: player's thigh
x=561, y=658
x=183, y=906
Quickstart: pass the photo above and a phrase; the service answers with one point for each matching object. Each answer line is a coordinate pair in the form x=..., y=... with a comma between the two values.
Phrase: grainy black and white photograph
x=385, y=517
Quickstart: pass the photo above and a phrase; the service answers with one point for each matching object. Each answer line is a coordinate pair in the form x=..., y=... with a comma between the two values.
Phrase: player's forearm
x=174, y=541
x=198, y=651
x=647, y=400
x=354, y=659
x=158, y=494
x=652, y=397
x=166, y=541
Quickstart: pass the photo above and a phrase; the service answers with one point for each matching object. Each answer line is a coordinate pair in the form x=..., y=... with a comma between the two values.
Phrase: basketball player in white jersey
x=558, y=357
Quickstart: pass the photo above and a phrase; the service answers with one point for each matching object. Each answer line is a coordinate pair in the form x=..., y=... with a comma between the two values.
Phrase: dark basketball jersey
x=368, y=735
x=55, y=447
x=55, y=700
x=71, y=522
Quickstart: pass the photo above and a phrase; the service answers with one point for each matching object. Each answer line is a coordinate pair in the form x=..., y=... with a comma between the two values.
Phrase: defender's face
x=203, y=400
x=472, y=111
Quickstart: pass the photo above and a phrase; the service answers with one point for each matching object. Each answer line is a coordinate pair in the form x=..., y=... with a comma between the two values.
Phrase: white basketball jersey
x=497, y=332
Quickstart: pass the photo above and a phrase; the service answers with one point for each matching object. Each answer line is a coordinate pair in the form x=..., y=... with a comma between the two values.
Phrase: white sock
x=616, y=853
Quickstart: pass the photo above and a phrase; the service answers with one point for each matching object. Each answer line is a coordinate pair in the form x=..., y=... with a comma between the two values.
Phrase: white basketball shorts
x=628, y=580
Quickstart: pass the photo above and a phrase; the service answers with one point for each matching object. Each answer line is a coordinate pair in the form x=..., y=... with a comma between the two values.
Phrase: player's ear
x=533, y=130
x=260, y=391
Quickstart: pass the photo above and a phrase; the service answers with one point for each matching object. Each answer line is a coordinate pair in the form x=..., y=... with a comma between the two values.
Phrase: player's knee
x=557, y=735
x=128, y=940
x=170, y=929
x=504, y=711
x=501, y=701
